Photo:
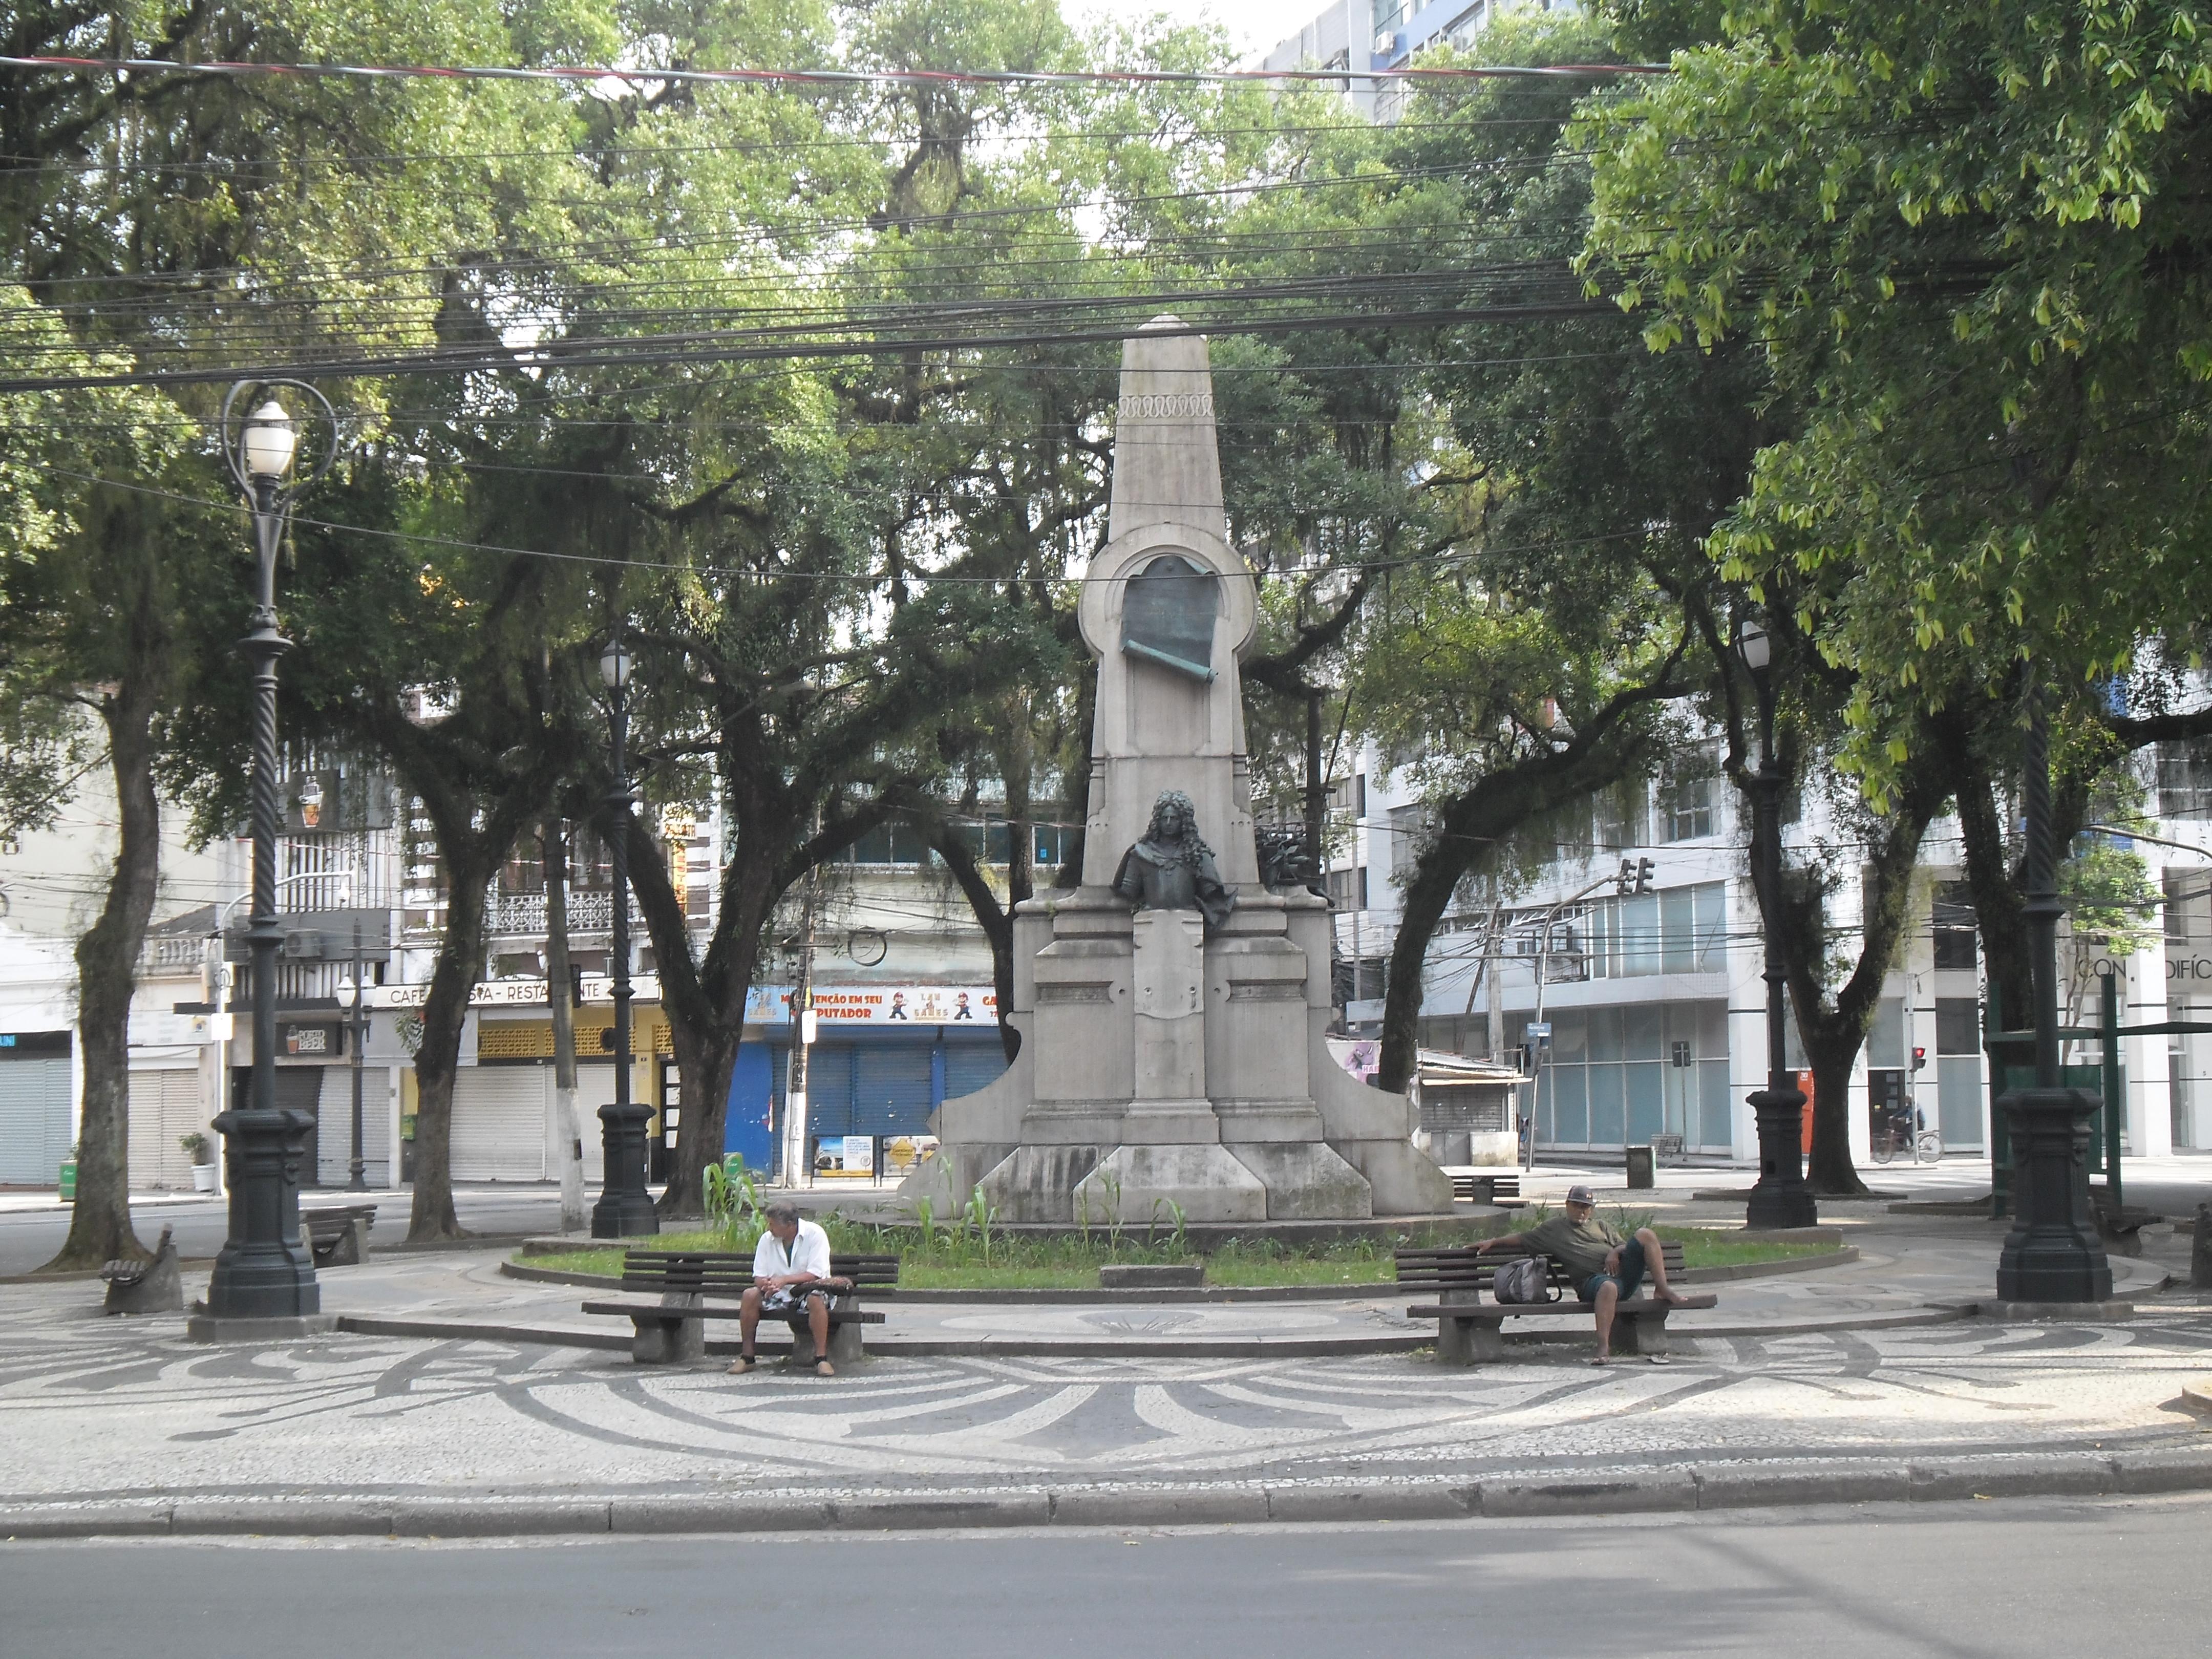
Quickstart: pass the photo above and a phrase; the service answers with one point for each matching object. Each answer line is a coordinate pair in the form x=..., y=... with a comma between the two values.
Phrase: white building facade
x=1639, y=945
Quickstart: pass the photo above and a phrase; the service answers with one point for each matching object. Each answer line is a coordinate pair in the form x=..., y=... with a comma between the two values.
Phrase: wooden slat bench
x=1468, y=1329
x=2120, y=1228
x=337, y=1239
x=1485, y=1188
x=672, y=1330
x=152, y=1286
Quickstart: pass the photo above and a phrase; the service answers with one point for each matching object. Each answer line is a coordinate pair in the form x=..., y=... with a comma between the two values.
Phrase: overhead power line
x=645, y=351
x=822, y=77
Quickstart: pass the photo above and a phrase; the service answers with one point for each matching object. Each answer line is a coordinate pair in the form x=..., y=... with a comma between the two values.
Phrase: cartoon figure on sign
x=898, y=1006
x=960, y=1010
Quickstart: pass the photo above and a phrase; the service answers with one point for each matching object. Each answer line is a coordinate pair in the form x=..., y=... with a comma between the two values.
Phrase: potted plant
x=201, y=1151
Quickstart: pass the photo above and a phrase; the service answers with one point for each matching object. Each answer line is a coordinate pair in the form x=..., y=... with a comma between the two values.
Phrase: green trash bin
x=69, y=1181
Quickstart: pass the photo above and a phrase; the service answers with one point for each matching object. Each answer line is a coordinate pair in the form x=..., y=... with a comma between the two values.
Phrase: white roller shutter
x=499, y=1123
x=165, y=1106
x=34, y=1120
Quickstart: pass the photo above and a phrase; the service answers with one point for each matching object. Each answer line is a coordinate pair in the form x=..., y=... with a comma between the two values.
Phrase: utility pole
x=796, y=1160
x=1494, y=965
x=564, y=1139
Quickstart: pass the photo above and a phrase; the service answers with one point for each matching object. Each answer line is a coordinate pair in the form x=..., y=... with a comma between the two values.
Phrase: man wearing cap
x=1604, y=1267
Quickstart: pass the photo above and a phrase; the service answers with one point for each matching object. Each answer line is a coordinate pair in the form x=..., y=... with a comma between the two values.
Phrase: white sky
x=1254, y=25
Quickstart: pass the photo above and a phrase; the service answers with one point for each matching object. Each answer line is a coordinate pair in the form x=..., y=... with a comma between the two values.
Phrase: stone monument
x=1172, y=1009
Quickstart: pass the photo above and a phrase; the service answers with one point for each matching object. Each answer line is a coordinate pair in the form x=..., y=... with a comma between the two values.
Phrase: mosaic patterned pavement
x=91, y=1406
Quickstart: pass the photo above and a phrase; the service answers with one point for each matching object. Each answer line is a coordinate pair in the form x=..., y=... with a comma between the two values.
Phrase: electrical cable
x=57, y=64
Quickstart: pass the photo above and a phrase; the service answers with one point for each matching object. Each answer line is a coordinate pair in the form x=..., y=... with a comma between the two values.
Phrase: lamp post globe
x=1780, y=1197
x=614, y=665
x=262, y=1274
x=268, y=442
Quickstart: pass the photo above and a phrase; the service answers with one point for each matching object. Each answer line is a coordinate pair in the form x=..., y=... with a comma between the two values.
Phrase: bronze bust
x=1171, y=869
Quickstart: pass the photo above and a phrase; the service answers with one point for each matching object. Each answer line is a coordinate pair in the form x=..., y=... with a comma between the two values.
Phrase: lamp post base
x=2053, y=1252
x=264, y=1272
x=1780, y=1197
x=625, y=1208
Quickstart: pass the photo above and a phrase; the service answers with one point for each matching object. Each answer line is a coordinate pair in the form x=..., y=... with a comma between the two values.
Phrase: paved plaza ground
x=465, y=1400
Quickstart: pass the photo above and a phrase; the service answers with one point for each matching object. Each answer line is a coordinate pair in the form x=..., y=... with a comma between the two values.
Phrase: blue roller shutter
x=891, y=1089
x=972, y=1065
x=830, y=1090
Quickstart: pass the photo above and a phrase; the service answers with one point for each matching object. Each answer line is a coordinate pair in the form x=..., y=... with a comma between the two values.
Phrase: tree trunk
x=1998, y=915
x=705, y=1004
x=996, y=920
x=1016, y=760
x=568, y=1136
x=107, y=975
x=1421, y=906
x=1471, y=822
x=444, y=1016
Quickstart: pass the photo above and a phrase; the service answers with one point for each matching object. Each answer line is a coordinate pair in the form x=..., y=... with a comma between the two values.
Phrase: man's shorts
x=790, y=1302
x=1627, y=1280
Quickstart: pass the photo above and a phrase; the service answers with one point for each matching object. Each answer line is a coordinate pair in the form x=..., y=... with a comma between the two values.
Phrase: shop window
x=1958, y=1026
x=1955, y=928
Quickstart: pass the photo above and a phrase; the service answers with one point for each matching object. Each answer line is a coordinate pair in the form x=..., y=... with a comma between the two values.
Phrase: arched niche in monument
x=1167, y=615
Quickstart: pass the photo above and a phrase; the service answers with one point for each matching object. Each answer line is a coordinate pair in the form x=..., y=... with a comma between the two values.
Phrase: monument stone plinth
x=1172, y=1009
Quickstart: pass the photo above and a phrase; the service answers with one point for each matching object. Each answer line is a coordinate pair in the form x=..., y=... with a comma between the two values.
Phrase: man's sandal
x=745, y=1362
x=824, y=1368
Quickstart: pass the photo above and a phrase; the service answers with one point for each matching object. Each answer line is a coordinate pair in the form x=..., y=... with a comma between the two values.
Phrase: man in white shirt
x=792, y=1282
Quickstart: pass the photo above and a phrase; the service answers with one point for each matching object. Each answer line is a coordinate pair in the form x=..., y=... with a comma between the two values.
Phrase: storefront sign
x=881, y=1004
x=515, y=993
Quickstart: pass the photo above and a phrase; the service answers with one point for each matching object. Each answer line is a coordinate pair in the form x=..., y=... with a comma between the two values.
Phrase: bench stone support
x=1470, y=1341
x=670, y=1338
x=845, y=1343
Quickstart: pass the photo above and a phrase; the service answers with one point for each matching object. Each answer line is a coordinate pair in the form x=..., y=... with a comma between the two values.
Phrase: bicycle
x=1925, y=1147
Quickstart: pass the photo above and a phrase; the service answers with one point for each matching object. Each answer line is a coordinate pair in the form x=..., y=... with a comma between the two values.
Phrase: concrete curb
x=1699, y=1488
x=1371, y=1289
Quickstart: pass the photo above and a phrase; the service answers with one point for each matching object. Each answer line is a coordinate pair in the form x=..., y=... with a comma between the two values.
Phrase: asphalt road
x=29, y=1237
x=2015, y=1579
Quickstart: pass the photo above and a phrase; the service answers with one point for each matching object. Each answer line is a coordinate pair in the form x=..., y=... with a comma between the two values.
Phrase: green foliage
x=1964, y=242
x=950, y=1257
x=2111, y=899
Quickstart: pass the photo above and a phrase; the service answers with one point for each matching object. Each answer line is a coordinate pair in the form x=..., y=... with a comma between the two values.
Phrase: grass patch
x=950, y=1259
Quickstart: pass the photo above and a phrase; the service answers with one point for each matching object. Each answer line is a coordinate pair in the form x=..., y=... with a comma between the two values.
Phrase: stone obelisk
x=1172, y=1059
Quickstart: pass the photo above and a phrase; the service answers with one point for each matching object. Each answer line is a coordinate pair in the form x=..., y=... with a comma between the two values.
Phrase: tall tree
x=88, y=600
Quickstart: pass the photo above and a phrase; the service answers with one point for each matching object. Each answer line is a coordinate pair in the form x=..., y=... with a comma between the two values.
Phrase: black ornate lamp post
x=2053, y=1252
x=625, y=1208
x=1779, y=1198
x=262, y=1272
x=354, y=992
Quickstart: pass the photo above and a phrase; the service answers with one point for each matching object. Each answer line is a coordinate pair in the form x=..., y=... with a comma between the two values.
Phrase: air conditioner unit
x=303, y=947
x=1386, y=43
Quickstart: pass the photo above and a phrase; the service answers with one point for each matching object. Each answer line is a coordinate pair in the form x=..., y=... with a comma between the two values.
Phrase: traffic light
x=1635, y=877
x=1919, y=1058
x=1644, y=870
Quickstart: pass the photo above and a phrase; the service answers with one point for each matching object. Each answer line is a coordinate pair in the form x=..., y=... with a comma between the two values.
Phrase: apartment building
x=1638, y=944
x=1357, y=35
